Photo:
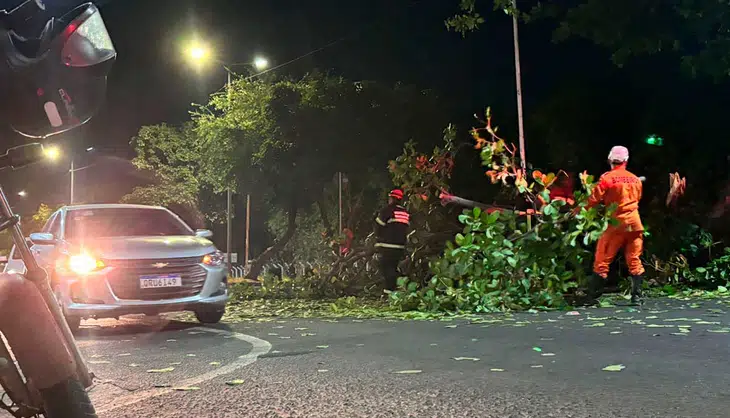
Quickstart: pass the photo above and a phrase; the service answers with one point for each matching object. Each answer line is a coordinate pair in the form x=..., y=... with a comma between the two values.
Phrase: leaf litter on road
x=538, y=349
x=408, y=372
x=99, y=362
x=466, y=359
x=614, y=368
x=186, y=388
x=165, y=370
x=215, y=363
x=323, y=346
x=236, y=382
x=496, y=370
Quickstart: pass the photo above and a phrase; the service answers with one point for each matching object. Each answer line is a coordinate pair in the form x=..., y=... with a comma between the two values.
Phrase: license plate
x=154, y=282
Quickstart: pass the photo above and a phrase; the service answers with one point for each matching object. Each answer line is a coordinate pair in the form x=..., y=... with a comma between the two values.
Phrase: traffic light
x=654, y=140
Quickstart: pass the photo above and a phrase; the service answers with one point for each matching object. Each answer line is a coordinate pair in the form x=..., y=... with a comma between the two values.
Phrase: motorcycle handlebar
x=10, y=20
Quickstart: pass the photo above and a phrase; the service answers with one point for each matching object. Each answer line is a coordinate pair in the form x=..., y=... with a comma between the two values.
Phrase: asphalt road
x=675, y=356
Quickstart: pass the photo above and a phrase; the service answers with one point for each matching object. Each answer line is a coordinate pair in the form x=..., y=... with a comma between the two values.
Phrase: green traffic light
x=655, y=140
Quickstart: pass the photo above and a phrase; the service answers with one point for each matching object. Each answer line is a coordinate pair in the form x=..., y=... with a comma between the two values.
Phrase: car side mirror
x=203, y=233
x=42, y=238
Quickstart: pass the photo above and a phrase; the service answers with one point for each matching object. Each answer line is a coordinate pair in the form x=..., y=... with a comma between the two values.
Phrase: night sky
x=383, y=40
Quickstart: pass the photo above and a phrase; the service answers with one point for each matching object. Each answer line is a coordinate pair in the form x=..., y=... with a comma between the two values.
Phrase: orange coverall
x=623, y=188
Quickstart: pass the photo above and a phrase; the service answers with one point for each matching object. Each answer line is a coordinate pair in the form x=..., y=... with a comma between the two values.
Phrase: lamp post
x=72, y=172
x=518, y=84
x=201, y=54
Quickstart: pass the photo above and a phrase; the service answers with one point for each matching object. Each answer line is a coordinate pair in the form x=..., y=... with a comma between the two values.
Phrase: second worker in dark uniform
x=391, y=230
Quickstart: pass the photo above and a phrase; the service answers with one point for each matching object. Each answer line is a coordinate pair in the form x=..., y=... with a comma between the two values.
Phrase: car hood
x=140, y=248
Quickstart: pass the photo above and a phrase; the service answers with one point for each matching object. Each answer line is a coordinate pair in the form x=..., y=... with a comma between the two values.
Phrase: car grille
x=124, y=279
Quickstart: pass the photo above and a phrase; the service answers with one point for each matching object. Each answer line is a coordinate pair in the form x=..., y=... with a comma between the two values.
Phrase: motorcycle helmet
x=55, y=82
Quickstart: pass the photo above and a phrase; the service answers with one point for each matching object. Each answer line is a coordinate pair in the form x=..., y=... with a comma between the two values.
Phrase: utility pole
x=518, y=79
x=71, y=186
x=248, y=228
x=339, y=186
x=228, y=209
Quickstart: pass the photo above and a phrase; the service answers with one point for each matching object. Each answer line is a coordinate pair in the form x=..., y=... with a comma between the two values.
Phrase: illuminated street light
x=198, y=52
x=52, y=153
x=22, y=193
x=261, y=63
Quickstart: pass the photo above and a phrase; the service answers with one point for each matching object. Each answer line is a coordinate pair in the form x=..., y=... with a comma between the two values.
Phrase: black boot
x=636, y=290
x=589, y=295
x=595, y=287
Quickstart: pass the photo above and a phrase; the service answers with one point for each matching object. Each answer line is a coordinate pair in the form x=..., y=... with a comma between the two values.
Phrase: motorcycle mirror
x=61, y=84
x=21, y=156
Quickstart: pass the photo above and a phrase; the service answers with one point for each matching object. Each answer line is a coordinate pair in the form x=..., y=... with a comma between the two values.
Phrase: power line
x=330, y=44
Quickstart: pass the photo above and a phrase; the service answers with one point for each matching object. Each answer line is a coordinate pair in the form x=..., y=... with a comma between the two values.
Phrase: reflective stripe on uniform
x=400, y=216
x=394, y=246
x=379, y=221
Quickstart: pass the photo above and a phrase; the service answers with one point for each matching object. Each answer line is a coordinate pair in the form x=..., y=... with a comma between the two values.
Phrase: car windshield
x=122, y=222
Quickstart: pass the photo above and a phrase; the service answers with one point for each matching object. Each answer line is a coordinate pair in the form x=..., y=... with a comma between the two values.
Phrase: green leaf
x=236, y=382
x=466, y=359
x=721, y=289
x=165, y=370
x=614, y=368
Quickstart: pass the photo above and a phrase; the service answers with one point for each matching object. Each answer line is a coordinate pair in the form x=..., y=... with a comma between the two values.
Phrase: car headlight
x=81, y=264
x=214, y=259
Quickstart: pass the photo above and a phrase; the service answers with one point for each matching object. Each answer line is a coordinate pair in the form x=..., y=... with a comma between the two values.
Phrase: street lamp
x=72, y=171
x=261, y=63
x=52, y=153
x=199, y=54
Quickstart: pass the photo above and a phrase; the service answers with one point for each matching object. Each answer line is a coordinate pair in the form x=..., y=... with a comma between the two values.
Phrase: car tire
x=210, y=316
x=74, y=322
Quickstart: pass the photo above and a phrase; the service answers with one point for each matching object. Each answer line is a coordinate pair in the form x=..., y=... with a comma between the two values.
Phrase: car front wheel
x=210, y=316
x=74, y=322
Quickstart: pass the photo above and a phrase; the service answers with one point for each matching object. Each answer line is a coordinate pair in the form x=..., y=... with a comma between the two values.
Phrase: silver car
x=105, y=261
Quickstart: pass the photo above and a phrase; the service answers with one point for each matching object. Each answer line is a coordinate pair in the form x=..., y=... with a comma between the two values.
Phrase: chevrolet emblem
x=160, y=265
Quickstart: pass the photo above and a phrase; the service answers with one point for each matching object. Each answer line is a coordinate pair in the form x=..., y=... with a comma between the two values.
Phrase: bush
x=500, y=261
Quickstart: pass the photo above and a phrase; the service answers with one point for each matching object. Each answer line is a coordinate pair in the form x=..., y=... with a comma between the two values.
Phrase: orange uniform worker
x=622, y=188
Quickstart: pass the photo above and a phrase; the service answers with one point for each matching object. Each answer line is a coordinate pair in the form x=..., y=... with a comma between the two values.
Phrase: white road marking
x=259, y=347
